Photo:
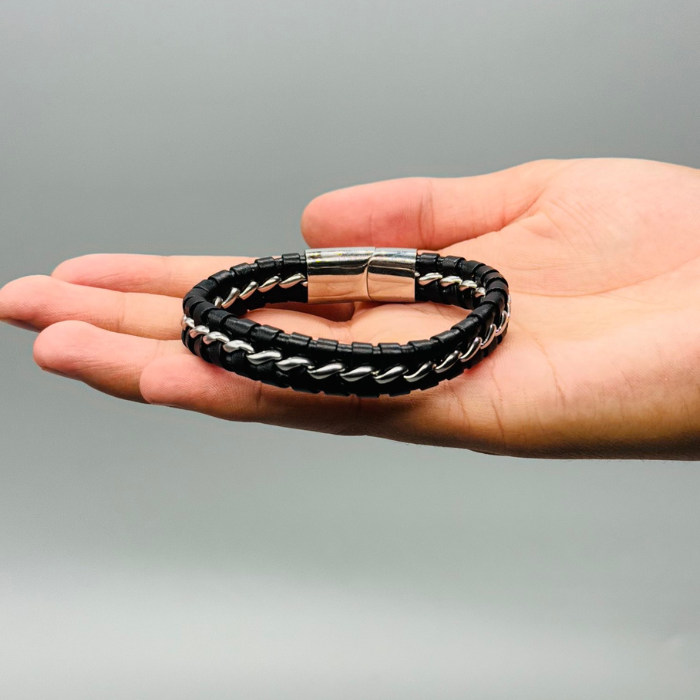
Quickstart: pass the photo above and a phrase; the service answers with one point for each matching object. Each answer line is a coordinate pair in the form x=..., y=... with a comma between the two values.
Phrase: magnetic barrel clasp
x=361, y=274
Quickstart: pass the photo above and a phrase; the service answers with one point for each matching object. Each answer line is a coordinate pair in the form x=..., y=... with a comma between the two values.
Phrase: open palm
x=602, y=355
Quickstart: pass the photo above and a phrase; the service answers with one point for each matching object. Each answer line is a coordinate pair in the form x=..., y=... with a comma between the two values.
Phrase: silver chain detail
x=452, y=279
x=383, y=376
x=266, y=286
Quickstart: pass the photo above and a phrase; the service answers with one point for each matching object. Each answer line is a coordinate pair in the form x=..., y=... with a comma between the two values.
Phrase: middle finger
x=39, y=301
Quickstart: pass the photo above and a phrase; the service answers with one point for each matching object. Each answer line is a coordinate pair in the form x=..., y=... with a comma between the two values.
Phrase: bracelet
x=213, y=326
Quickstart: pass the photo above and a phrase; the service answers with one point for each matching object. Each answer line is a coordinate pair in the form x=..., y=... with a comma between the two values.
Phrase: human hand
x=602, y=357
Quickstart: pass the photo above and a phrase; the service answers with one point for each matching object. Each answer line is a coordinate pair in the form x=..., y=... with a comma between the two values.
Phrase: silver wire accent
x=448, y=362
x=467, y=284
x=428, y=278
x=259, y=358
x=326, y=371
x=490, y=335
x=250, y=288
x=236, y=344
x=199, y=330
x=218, y=302
x=505, y=318
x=269, y=284
x=473, y=349
x=232, y=296
x=293, y=362
x=390, y=374
x=425, y=369
x=209, y=338
x=501, y=325
x=291, y=281
x=266, y=286
x=358, y=373
x=450, y=279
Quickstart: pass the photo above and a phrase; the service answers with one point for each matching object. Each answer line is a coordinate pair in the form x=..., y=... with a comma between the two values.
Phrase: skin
x=601, y=358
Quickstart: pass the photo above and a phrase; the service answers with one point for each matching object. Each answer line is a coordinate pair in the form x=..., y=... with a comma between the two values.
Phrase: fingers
x=191, y=384
x=165, y=372
x=110, y=362
x=188, y=383
x=424, y=213
x=39, y=301
x=172, y=275
x=164, y=275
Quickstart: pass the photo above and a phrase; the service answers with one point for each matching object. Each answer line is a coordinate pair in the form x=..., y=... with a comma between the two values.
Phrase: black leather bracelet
x=213, y=326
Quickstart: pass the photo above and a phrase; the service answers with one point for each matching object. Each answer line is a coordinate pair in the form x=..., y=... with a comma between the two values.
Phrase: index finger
x=169, y=275
x=166, y=275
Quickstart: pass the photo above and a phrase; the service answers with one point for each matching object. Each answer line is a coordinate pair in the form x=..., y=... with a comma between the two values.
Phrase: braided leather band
x=213, y=327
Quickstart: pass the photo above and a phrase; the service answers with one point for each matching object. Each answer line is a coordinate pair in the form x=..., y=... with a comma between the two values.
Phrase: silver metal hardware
x=391, y=274
x=337, y=274
x=360, y=274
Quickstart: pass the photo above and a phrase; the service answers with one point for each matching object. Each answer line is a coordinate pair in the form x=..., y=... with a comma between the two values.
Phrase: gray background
x=149, y=553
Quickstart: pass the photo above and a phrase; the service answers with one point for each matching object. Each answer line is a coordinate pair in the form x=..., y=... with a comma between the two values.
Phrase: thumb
x=425, y=213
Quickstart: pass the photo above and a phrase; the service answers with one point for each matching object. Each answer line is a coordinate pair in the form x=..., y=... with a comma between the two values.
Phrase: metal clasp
x=361, y=274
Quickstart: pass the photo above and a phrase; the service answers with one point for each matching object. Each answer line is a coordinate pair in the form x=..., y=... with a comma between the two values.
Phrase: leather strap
x=215, y=328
